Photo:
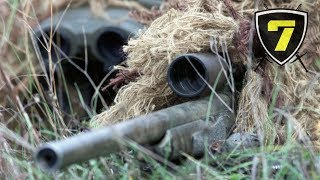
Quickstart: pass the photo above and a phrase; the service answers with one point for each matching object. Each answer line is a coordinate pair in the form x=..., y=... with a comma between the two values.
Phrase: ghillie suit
x=272, y=98
x=172, y=34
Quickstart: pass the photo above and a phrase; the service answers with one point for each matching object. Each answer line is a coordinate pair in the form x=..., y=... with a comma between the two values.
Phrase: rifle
x=183, y=127
x=180, y=128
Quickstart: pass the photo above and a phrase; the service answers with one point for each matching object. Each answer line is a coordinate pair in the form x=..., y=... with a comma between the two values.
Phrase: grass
x=28, y=116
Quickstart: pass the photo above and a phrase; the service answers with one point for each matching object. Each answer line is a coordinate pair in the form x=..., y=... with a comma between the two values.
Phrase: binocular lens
x=110, y=45
x=184, y=77
x=59, y=43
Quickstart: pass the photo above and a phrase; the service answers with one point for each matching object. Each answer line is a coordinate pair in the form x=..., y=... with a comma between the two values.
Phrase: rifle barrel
x=145, y=129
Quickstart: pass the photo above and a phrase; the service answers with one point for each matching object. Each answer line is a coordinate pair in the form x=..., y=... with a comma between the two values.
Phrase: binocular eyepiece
x=190, y=75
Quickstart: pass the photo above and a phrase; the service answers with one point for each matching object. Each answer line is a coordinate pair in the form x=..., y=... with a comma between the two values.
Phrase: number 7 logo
x=285, y=37
x=281, y=32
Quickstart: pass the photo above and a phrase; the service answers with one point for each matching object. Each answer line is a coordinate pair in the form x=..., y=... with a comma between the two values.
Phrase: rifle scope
x=189, y=75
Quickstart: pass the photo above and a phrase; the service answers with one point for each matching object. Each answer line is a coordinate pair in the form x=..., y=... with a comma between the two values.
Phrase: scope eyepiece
x=189, y=75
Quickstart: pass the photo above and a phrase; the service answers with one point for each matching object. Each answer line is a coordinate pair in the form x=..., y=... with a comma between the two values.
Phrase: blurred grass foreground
x=49, y=90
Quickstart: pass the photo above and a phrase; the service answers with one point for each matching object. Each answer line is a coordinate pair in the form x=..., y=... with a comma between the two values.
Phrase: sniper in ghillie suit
x=150, y=89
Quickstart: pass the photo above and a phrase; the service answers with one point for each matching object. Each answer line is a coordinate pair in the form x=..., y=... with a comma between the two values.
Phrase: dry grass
x=282, y=111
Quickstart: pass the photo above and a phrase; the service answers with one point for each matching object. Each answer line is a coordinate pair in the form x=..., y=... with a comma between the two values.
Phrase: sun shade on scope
x=189, y=75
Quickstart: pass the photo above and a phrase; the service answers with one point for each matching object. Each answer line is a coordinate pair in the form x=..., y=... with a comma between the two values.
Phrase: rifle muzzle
x=190, y=75
x=147, y=129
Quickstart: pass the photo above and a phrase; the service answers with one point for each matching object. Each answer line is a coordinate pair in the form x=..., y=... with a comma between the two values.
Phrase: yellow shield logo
x=281, y=32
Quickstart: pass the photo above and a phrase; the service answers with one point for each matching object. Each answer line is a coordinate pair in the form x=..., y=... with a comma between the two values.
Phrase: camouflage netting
x=272, y=96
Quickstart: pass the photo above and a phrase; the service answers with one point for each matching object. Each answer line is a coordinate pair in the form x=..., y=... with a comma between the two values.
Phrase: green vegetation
x=29, y=115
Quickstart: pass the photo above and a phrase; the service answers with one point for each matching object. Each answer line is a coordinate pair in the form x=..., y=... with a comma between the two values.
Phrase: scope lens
x=59, y=43
x=185, y=76
x=110, y=46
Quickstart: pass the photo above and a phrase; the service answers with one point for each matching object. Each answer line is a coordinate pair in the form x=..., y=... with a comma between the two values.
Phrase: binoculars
x=78, y=31
x=80, y=41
